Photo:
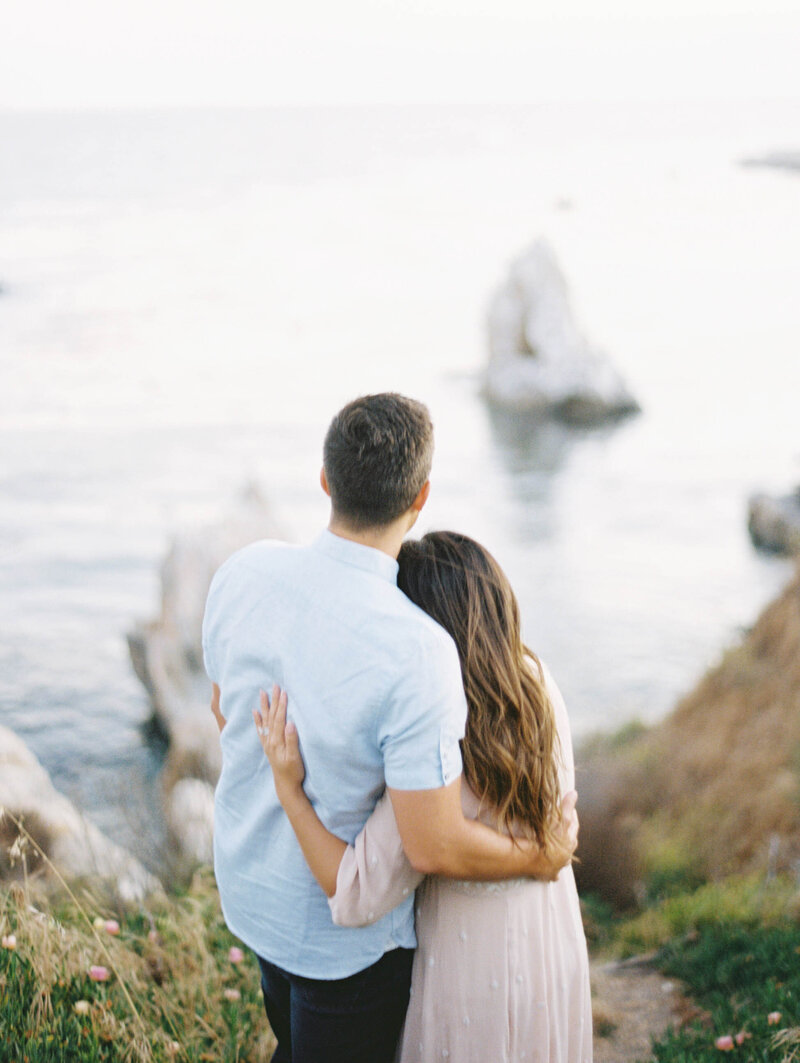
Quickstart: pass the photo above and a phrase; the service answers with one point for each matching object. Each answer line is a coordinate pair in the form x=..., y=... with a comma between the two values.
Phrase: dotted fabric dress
x=501, y=972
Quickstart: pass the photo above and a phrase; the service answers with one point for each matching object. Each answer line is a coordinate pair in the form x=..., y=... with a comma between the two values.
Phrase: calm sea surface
x=188, y=296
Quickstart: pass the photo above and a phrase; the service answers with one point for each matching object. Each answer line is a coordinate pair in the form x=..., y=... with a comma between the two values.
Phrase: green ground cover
x=173, y=991
x=736, y=947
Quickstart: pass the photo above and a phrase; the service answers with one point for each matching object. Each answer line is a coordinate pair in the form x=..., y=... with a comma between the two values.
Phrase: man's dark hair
x=377, y=456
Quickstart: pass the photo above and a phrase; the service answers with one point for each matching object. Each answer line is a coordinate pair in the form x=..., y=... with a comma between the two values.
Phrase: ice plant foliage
x=152, y=987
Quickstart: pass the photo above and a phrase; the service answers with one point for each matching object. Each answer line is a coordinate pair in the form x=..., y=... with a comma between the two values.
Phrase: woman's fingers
x=276, y=720
x=275, y=737
x=280, y=711
x=292, y=742
x=569, y=821
x=259, y=722
x=278, y=739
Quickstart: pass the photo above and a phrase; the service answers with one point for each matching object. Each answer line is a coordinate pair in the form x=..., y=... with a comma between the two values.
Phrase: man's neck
x=387, y=539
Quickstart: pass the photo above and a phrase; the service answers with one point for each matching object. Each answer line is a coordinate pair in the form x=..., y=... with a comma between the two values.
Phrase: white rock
x=189, y=810
x=539, y=360
x=75, y=845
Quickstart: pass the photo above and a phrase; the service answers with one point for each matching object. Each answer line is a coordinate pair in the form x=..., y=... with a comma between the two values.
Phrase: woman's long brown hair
x=510, y=748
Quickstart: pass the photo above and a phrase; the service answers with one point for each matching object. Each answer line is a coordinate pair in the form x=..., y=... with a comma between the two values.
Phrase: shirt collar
x=357, y=554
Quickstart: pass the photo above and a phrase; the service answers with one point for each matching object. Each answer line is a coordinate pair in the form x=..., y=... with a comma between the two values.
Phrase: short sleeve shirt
x=375, y=690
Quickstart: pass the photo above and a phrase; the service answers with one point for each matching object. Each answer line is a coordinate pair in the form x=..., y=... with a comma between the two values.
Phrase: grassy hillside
x=171, y=988
x=715, y=788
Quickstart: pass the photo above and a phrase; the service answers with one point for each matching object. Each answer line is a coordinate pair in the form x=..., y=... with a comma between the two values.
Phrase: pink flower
x=9, y=941
x=98, y=973
x=232, y=994
x=742, y=1036
x=724, y=1044
x=235, y=954
x=773, y=1018
x=111, y=926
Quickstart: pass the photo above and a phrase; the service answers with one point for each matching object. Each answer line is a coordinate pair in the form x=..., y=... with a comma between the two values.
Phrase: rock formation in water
x=774, y=523
x=539, y=361
x=74, y=845
x=167, y=656
x=779, y=160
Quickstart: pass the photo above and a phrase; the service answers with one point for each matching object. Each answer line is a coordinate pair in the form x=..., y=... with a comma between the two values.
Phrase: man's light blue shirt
x=375, y=690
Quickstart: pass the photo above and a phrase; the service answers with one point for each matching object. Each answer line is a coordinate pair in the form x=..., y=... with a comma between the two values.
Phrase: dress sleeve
x=566, y=765
x=374, y=875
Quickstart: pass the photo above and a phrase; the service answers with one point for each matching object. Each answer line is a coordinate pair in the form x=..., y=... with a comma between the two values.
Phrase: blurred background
x=218, y=223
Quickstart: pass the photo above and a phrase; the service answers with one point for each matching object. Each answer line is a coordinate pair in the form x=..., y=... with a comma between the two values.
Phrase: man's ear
x=323, y=482
x=422, y=497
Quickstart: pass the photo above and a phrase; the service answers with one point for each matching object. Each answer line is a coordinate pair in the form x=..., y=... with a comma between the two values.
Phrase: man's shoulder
x=425, y=636
x=265, y=556
x=262, y=551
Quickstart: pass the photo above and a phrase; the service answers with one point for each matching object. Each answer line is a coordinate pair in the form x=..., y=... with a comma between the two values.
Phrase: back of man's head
x=377, y=456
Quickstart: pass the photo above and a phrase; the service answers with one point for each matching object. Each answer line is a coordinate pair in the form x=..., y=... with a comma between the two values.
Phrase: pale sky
x=77, y=53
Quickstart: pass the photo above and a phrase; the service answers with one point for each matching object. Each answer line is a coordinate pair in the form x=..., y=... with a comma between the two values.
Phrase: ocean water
x=186, y=297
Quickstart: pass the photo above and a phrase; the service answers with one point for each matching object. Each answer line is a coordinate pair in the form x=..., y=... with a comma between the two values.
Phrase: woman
x=501, y=969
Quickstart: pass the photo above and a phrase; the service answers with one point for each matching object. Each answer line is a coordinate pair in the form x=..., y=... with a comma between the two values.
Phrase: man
x=376, y=694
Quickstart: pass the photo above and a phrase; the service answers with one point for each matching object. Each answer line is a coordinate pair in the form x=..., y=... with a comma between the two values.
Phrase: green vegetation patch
x=735, y=946
x=747, y=981
x=89, y=985
x=743, y=901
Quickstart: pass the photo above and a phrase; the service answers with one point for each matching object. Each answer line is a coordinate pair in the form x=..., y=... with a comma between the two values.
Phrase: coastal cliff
x=712, y=790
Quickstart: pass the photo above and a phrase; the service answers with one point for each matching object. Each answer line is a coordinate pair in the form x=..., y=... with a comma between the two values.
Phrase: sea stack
x=539, y=360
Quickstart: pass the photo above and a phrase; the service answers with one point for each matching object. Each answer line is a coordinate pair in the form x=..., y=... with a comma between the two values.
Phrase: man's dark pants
x=346, y=1020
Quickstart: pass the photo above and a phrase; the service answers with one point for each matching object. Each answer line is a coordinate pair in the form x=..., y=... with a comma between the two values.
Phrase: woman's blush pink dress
x=501, y=972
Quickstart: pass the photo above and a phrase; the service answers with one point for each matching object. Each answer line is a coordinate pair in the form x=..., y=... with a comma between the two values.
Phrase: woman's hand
x=549, y=862
x=280, y=743
x=323, y=851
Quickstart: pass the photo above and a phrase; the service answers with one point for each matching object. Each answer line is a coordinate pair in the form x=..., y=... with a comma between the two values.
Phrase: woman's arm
x=215, y=699
x=323, y=851
x=374, y=875
x=363, y=881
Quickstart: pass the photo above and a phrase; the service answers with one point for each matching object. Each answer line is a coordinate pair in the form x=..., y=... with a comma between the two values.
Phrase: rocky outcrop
x=774, y=523
x=167, y=656
x=539, y=361
x=74, y=845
